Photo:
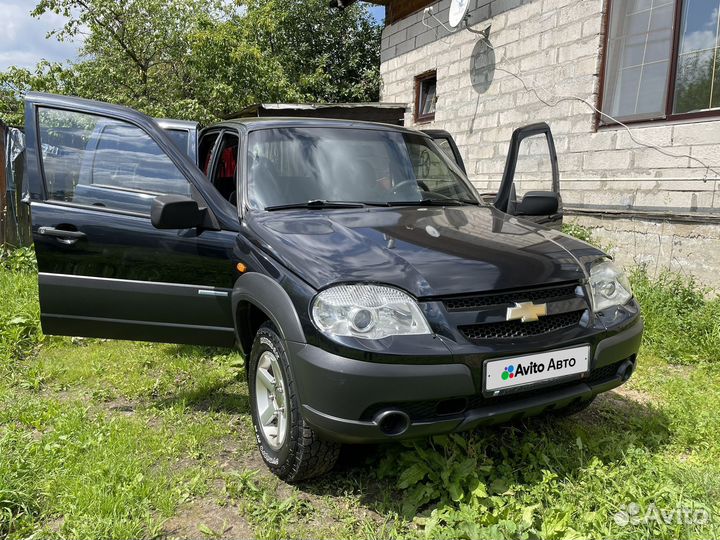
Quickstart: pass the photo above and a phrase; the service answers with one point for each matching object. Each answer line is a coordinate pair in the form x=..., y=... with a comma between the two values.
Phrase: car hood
x=427, y=251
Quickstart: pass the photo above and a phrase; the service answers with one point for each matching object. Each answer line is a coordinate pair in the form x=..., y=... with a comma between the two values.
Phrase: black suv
x=374, y=293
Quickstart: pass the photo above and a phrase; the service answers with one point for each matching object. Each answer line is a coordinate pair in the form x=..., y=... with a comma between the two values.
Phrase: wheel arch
x=257, y=298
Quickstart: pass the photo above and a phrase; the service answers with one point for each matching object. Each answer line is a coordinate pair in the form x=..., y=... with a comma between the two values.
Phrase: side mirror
x=175, y=212
x=538, y=203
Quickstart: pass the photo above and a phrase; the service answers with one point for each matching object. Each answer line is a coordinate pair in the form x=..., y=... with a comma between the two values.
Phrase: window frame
x=419, y=80
x=601, y=121
x=215, y=157
x=45, y=195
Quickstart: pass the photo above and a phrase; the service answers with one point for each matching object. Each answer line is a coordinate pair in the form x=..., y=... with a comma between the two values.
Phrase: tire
x=289, y=447
x=573, y=408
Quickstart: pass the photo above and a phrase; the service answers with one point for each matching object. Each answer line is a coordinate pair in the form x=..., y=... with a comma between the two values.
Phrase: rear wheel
x=289, y=447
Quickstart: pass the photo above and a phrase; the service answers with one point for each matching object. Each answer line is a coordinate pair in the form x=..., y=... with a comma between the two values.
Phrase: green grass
x=109, y=439
x=682, y=325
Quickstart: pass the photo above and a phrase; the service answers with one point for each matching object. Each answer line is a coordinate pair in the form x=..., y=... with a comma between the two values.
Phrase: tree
x=205, y=59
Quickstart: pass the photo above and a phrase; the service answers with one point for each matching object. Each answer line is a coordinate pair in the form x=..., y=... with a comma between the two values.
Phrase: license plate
x=535, y=368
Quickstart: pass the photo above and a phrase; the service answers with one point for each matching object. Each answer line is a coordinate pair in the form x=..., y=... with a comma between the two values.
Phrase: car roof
x=269, y=122
x=171, y=123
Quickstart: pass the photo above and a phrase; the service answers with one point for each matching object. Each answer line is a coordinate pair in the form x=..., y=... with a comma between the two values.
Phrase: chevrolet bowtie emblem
x=526, y=311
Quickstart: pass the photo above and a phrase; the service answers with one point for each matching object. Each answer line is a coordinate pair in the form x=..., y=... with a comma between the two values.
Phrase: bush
x=579, y=232
x=681, y=324
x=18, y=259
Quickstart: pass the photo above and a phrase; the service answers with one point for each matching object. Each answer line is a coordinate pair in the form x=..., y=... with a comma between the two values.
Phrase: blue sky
x=22, y=37
x=378, y=12
x=23, y=42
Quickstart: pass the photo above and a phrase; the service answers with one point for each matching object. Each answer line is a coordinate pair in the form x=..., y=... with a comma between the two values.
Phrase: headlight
x=367, y=311
x=610, y=286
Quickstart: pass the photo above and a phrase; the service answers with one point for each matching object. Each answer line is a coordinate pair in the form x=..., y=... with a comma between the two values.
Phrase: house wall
x=620, y=187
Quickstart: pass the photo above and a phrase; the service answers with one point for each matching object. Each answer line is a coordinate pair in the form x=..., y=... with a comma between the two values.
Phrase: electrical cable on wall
x=556, y=99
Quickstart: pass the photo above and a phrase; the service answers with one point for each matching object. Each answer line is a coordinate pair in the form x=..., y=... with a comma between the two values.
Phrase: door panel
x=531, y=173
x=105, y=271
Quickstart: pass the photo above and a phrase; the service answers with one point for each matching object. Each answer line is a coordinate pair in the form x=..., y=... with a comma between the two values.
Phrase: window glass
x=180, y=137
x=102, y=162
x=432, y=173
x=224, y=177
x=533, y=169
x=697, y=86
x=296, y=165
x=207, y=143
x=638, y=58
x=426, y=97
x=444, y=145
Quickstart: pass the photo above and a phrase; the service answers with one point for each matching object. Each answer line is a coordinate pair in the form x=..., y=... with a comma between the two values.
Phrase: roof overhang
x=342, y=4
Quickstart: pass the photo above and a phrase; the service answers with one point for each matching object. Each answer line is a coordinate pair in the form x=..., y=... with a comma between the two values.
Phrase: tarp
x=14, y=214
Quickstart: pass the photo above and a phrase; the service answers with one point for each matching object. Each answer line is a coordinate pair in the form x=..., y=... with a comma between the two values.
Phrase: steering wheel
x=405, y=183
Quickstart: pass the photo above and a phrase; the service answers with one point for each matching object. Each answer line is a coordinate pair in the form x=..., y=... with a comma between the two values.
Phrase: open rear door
x=530, y=186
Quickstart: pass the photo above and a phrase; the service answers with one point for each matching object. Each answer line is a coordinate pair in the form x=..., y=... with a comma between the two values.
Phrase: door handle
x=66, y=237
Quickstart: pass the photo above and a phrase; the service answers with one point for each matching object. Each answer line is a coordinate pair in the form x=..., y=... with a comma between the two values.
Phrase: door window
x=533, y=170
x=444, y=145
x=92, y=160
x=224, y=175
x=433, y=174
x=207, y=143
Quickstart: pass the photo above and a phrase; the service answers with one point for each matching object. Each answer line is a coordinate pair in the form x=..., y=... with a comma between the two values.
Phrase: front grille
x=428, y=410
x=518, y=329
x=473, y=303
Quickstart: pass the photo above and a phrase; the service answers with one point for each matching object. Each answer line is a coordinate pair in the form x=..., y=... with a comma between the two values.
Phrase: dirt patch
x=623, y=400
x=120, y=405
x=633, y=395
x=205, y=518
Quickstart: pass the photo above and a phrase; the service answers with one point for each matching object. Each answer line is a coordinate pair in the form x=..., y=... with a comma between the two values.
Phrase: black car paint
x=412, y=248
x=126, y=279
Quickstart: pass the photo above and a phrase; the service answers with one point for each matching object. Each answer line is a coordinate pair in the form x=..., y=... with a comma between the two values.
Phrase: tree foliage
x=205, y=59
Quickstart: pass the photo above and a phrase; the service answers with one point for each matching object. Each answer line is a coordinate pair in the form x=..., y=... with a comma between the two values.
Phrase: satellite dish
x=458, y=9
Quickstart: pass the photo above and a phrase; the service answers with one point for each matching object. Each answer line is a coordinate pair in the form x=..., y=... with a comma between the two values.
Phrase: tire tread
x=309, y=455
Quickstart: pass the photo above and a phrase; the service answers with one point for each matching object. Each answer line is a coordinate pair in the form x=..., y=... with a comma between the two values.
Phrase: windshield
x=296, y=165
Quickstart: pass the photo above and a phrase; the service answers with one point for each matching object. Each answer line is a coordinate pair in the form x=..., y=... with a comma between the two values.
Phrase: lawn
x=109, y=439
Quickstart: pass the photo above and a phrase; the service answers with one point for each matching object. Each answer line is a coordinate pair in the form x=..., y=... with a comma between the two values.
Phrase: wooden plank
x=399, y=9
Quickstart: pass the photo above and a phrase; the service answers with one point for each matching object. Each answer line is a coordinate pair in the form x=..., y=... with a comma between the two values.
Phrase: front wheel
x=289, y=447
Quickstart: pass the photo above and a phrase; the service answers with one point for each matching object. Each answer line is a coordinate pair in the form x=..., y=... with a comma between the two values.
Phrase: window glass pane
x=626, y=100
x=101, y=162
x=224, y=177
x=180, y=137
x=699, y=25
x=533, y=170
x=444, y=145
x=426, y=90
x=694, y=81
x=697, y=68
x=638, y=58
x=656, y=47
x=297, y=165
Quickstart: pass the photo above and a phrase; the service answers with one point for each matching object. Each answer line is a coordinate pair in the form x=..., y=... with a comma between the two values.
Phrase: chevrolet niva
x=375, y=295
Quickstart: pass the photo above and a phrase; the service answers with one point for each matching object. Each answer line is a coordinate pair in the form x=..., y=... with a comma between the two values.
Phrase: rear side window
x=97, y=161
x=180, y=137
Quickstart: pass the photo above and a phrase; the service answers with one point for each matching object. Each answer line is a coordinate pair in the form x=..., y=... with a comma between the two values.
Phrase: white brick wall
x=554, y=45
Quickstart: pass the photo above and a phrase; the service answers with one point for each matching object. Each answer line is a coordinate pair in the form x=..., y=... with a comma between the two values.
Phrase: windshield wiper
x=316, y=204
x=434, y=202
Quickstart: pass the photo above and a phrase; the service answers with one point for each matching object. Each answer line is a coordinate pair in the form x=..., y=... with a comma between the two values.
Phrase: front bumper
x=345, y=399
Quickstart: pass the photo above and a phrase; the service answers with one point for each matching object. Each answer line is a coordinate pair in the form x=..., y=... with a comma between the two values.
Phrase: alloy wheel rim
x=270, y=400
